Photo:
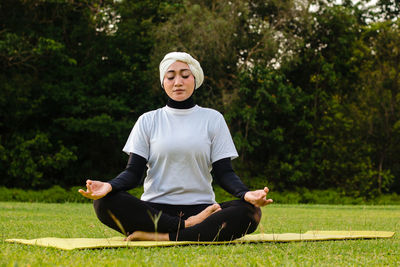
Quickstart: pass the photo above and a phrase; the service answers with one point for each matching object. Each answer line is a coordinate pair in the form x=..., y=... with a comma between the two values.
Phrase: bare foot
x=198, y=218
x=147, y=236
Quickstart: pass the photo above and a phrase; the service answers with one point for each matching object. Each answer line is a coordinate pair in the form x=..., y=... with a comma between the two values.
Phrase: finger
x=262, y=195
x=266, y=202
x=263, y=202
x=266, y=190
x=89, y=195
x=84, y=193
x=81, y=191
x=89, y=186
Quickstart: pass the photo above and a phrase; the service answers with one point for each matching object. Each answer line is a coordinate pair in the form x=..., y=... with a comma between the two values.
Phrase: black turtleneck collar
x=188, y=103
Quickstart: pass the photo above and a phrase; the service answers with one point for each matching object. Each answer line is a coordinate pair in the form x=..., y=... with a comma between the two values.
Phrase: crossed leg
x=191, y=221
x=133, y=217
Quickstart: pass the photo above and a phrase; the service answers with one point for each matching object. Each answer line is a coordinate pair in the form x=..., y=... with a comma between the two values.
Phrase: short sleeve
x=138, y=140
x=222, y=145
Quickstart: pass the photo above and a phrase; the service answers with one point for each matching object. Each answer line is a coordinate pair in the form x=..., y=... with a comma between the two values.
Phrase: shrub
x=57, y=194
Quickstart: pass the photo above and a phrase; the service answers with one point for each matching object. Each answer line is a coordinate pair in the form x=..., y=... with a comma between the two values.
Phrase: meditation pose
x=183, y=146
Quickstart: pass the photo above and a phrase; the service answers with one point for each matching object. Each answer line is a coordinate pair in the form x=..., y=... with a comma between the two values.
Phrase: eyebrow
x=178, y=70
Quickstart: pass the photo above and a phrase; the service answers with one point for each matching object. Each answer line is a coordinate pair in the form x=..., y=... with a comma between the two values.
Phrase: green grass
x=57, y=194
x=34, y=220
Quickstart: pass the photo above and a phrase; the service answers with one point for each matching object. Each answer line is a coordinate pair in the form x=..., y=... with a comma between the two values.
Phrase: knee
x=103, y=206
x=250, y=215
x=252, y=212
x=100, y=207
x=254, y=218
x=257, y=215
x=254, y=215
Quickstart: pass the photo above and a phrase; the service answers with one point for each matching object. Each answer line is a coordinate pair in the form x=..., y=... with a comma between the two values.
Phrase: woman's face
x=179, y=81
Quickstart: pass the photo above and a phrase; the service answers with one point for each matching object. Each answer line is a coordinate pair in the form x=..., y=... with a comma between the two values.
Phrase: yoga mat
x=116, y=242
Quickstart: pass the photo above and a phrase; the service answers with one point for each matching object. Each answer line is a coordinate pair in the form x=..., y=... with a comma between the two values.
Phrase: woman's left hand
x=258, y=197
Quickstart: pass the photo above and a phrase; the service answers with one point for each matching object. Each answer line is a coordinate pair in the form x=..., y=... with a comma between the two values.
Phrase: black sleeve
x=131, y=176
x=227, y=178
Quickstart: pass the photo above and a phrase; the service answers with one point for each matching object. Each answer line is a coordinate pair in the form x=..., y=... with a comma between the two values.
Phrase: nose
x=178, y=81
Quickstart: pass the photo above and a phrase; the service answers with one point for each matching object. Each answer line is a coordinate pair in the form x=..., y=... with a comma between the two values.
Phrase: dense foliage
x=310, y=89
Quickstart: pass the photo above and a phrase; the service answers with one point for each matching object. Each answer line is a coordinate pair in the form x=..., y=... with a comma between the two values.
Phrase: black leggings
x=235, y=219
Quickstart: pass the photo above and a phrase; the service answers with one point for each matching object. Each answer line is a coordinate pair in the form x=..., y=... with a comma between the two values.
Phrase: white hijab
x=193, y=64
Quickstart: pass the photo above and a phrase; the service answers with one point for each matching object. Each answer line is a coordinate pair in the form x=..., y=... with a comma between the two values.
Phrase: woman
x=180, y=144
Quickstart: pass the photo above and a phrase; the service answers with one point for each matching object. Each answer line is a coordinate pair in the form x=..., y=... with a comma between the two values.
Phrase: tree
x=268, y=122
x=72, y=78
x=378, y=112
x=223, y=36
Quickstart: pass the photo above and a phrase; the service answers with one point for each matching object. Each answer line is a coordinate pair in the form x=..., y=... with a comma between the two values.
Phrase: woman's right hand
x=95, y=189
x=258, y=197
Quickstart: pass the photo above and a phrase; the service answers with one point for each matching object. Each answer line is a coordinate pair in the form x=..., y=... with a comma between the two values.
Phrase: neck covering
x=193, y=64
x=185, y=104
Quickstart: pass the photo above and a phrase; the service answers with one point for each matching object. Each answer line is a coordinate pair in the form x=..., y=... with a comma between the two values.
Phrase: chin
x=180, y=98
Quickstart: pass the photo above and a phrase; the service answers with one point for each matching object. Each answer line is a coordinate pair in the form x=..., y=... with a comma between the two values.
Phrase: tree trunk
x=380, y=174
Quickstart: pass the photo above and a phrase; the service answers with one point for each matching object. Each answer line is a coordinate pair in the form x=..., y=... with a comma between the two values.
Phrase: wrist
x=245, y=196
x=109, y=187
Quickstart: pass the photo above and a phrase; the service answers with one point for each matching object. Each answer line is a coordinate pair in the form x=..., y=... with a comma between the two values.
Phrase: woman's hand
x=258, y=197
x=95, y=189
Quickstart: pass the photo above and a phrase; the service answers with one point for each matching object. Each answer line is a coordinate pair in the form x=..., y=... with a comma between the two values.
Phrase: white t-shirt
x=180, y=146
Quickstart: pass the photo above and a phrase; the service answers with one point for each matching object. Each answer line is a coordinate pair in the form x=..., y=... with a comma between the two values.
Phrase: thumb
x=83, y=193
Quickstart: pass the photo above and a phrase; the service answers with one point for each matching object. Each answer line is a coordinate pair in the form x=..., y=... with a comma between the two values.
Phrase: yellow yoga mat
x=115, y=242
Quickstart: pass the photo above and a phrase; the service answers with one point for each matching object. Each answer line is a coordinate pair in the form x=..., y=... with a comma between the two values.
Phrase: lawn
x=33, y=220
